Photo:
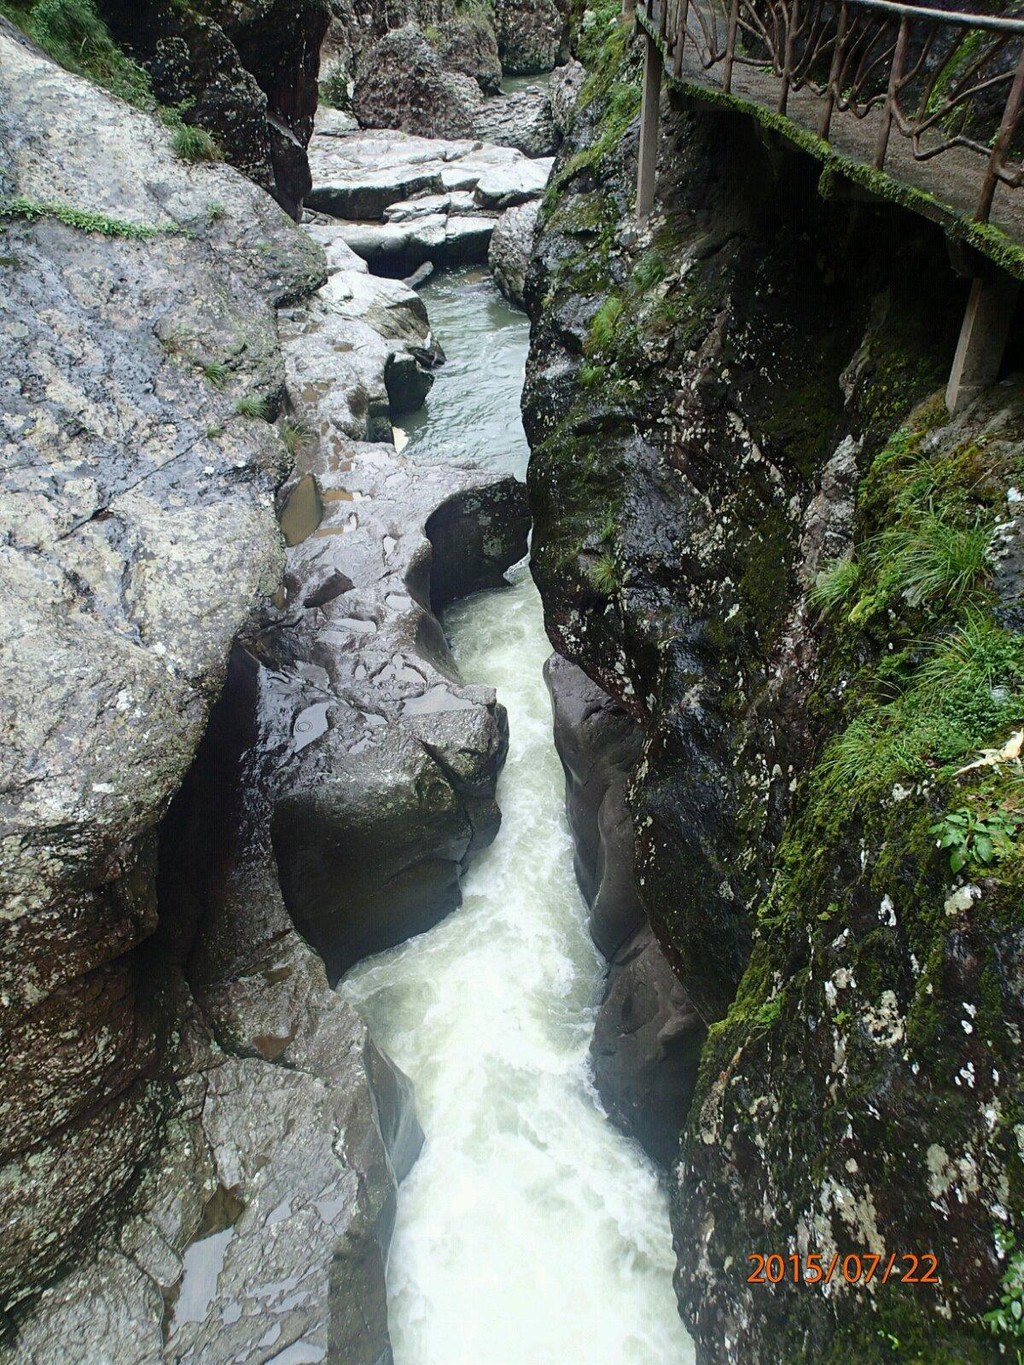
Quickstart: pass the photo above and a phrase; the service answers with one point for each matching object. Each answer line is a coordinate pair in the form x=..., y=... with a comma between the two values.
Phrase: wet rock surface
x=409, y=200
x=692, y=477
x=646, y=1047
x=647, y=1040
x=510, y=249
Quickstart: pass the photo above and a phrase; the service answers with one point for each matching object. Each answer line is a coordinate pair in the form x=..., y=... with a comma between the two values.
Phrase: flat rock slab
x=441, y=199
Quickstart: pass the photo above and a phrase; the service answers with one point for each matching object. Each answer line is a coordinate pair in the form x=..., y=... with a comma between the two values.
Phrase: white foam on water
x=530, y=1232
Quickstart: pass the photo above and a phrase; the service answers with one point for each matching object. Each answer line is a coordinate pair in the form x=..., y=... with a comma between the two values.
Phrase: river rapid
x=530, y=1232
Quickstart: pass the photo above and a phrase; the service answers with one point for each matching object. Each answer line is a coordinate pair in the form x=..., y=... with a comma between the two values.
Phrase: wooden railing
x=940, y=79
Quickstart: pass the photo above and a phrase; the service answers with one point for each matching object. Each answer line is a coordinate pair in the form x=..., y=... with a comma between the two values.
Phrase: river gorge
x=511, y=683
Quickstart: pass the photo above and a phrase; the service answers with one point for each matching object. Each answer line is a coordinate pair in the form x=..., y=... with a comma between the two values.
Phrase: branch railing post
x=792, y=22
x=677, y=56
x=835, y=70
x=892, y=93
x=1007, y=129
x=730, y=44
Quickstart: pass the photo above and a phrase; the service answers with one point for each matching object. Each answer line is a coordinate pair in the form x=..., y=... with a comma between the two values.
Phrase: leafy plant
x=833, y=585
x=1007, y=1320
x=972, y=836
x=214, y=213
x=591, y=375
x=195, y=144
x=252, y=405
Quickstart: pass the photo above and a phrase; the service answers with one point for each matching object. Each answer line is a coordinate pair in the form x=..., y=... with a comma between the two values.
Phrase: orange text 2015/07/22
x=854, y=1268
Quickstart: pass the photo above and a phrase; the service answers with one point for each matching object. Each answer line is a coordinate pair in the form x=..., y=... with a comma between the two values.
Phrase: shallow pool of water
x=472, y=412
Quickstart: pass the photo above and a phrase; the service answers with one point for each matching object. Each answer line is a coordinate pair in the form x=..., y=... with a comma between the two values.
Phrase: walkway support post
x=983, y=337
x=649, y=119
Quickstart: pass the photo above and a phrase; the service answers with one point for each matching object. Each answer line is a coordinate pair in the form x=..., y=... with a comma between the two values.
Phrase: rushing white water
x=529, y=1232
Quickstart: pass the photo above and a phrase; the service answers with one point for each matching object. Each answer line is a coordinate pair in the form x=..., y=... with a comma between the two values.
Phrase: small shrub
x=334, y=91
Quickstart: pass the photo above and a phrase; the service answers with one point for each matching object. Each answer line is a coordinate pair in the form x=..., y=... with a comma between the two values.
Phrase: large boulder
x=533, y=35
x=140, y=535
x=646, y=1047
x=402, y=84
x=245, y=72
x=509, y=253
x=522, y=120
x=467, y=43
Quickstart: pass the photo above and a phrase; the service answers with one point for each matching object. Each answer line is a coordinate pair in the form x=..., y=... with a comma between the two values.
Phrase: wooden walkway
x=918, y=106
x=939, y=175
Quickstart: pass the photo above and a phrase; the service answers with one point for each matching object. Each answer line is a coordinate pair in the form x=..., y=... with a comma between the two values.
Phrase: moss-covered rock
x=798, y=605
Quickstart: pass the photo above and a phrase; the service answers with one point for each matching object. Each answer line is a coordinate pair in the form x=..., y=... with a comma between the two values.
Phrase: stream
x=530, y=1231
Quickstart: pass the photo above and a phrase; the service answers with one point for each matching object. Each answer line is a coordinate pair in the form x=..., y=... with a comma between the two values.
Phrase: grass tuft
x=252, y=405
x=195, y=144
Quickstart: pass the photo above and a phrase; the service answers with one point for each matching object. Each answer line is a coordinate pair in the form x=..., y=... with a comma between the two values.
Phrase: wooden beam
x=649, y=120
x=983, y=338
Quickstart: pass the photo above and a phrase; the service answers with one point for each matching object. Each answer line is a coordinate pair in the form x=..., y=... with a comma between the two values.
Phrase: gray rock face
x=599, y=744
x=509, y=253
x=563, y=92
x=412, y=199
x=533, y=35
x=646, y=1047
x=140, y=535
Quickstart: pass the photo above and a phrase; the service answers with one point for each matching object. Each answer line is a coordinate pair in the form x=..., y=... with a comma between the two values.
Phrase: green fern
x=84, y=220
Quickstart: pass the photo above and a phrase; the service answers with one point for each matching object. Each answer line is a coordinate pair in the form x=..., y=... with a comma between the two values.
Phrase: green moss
x=82, y=219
